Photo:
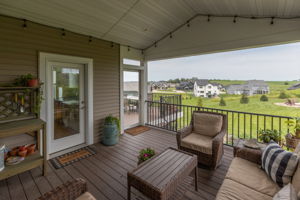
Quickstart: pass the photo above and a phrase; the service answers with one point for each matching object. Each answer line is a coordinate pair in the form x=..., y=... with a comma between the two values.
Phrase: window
x=131, y=62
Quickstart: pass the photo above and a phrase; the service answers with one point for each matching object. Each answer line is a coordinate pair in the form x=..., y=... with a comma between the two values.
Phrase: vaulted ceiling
x=137, y=23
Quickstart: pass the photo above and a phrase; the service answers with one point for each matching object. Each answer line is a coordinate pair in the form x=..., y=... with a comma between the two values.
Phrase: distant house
x=250, y=88
x=294, y=87
x=185, y=86
x=203, y=88
x=160, y=85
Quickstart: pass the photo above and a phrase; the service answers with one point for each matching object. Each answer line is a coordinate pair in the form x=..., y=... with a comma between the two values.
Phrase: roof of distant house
x=204, y=82
x=294, y=87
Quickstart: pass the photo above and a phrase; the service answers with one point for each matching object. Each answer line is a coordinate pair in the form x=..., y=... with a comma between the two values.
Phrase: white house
x=203, y=88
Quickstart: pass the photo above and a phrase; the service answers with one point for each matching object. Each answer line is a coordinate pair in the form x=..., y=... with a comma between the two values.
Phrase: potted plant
x=291, y=139
x=267, y=135
x=145, y=154
x=297, y=128
x=27, y=80
x=111, y=130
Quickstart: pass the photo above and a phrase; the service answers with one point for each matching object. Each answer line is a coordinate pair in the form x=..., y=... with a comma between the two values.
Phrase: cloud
x=281, y=62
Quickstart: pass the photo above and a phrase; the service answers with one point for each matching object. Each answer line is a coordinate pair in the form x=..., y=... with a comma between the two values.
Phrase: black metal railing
x=165, y=98
x=174, y=117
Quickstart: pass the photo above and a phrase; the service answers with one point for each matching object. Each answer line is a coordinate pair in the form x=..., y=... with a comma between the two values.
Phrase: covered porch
x=80, y=51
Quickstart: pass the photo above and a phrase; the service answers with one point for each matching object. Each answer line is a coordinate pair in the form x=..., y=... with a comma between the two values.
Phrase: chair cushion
x=198, y=142
x=286, y=193
x=207, y=124
x=86, y=196
x=231, y=190
x=280, y=165
x=250, y=175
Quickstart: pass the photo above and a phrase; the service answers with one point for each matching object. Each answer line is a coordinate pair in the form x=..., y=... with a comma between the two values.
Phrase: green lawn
x=240, y=125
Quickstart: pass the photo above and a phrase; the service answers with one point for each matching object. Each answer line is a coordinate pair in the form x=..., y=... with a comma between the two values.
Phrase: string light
x=63, y=32
x=208, y=18
x=272, y=21
x=24, y=23
x=188, y=23
x=142, y=51
x=90, y=39
x=128, y=48
x=111, y=44
x=234, y=19
x=155, y=44
x=171, y=36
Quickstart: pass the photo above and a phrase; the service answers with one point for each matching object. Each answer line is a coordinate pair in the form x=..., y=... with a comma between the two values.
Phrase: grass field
x=240, y=125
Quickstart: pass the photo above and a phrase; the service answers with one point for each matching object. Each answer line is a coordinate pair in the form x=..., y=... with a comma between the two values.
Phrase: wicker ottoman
x=159, y=177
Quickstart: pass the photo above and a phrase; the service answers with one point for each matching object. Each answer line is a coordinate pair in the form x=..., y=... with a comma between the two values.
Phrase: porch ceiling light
x=63, y=32
x=24, y=23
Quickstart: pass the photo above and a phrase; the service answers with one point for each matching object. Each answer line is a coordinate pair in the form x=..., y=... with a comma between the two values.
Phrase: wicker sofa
x=204, y=137
x=246, y=181
x=71, y=190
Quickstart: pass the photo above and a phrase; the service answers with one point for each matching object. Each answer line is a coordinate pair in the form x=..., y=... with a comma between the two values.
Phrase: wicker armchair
x=70, y=190
x=204, y=137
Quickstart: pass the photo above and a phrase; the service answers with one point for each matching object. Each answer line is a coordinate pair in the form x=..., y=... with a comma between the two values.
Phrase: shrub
x=145, y=154
x=264, y=98
x=286, y=83
x=200, y=102
x=244, y=99
x=222, y=102
x=267, y=135
x=283, y=95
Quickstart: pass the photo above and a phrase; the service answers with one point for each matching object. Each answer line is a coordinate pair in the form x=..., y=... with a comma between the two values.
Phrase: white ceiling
x=137, y=23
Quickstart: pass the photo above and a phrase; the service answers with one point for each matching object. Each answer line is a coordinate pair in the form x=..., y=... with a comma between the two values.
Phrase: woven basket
x=292, y=142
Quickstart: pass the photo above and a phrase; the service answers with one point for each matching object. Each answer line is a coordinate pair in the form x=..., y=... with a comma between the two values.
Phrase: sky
x=274, y=63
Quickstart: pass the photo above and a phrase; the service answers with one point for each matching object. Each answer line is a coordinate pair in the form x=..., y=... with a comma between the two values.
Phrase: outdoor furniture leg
x=196, y=178
x=128, y=192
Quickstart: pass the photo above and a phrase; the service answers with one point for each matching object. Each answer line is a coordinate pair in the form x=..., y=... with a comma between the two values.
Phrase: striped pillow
x=279, y=164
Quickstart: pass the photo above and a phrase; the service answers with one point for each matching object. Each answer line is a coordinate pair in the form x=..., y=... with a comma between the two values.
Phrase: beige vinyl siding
x=19, y=49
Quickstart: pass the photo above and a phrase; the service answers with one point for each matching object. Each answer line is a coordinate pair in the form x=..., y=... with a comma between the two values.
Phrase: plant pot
x=23, y=153
x=30, y=149
x=297, y=134
x=292, y=142
x=110, y=134
x=14, y=151
x=33, y=83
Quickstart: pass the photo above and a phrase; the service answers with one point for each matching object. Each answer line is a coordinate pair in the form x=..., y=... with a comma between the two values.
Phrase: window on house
x=127, y=61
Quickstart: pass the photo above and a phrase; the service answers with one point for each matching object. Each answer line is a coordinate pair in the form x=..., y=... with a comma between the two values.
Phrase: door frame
x=143, y=92
x=139, y=71
x=45, y=112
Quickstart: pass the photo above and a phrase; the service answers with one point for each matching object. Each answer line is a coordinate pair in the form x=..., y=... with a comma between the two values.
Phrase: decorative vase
x=110, y=134
x=33, y=83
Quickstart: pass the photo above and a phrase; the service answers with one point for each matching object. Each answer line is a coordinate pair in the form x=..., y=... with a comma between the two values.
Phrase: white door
x=67, y=105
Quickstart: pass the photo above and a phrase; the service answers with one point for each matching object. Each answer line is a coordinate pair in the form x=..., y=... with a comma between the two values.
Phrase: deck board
x=106, y=172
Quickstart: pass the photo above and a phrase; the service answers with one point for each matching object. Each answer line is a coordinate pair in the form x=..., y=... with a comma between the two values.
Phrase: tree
x=244, y=99
x=264, y=98
x=222, y=102
x=283, y=95
x=200, y=102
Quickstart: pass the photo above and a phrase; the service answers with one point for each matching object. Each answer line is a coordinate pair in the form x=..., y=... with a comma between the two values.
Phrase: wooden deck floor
x=106, y=172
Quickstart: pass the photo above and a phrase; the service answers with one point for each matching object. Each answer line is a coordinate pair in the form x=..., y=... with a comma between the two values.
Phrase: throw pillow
x=279, y=164
x=286, y=193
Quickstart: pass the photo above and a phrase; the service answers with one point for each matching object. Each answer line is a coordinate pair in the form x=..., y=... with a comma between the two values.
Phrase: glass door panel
x=131, y=97
x=66, y=101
